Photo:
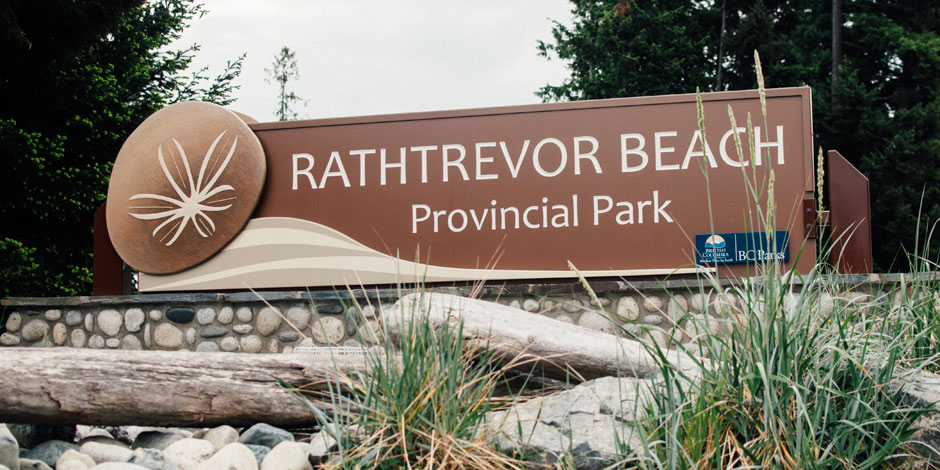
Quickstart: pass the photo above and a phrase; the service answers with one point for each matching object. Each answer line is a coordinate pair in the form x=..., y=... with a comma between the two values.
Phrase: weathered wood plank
x=161, y=388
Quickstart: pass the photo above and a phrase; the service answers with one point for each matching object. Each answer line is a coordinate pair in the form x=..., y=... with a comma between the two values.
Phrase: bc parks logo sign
x=741, y=247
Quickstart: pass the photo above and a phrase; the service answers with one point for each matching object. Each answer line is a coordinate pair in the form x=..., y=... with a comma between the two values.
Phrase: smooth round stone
x=109, y=322
x=150, y=459
x=653, y=319
x=134, y=319
x=233, y=456
x=249, y=344
x=14, y=322
x=34, y=330
x=572, y=305
x=698, y=302
x=53, y=315
x=9, y=339
x=207, y=346
x=112, y=343
x=101, y=453
x=595, y=321
x=74, y=456
x=351, y=343
x=287, y=456
x=328, y=330
x=678, y=307
x=652, y=303
x=330, y=309
x=226, y=315
x=60, y=334
x=188, y=453
x=274, y=346
x=167, y=336
x=213, y=332
x=288, y=336
x=299, y=317
x=367, y=311
x=73, y=318
x=155, y=315
x=244, y=314
x=77, y=337
x=516, y=304
x=627, y=308
x=190, y=336
x=306, y=343
x=131, y=343
x=605, y=301
x=369, y=331
x=564, y=319
x=221, y=436
x=148, y=337
x=48, y=452
x=180, y=315
x=229, y=344
x=268, y=321
x=530, y=305
x=89, y=322
x=243, y=329
x=159, y=439
x=205, y=315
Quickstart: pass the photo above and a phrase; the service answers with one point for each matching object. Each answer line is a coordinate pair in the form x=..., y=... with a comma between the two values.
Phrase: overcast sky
x=362, y=57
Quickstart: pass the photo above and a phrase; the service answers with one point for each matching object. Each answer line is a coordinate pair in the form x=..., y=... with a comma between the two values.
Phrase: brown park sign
x=617, y=187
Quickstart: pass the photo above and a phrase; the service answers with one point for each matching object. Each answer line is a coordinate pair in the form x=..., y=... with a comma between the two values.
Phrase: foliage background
x=75, y=80
x=883, y=113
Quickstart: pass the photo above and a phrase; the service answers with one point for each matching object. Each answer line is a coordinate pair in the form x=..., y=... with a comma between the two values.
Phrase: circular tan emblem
x=183, y=185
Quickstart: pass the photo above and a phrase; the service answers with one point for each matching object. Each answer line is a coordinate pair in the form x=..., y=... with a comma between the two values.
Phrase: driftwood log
x=561, y=349
x=162, y=388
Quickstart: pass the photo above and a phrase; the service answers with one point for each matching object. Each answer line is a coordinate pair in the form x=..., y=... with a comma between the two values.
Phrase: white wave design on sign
x=278, y=252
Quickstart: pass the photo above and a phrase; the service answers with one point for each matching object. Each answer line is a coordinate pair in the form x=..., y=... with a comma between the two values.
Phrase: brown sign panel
x=616, y=187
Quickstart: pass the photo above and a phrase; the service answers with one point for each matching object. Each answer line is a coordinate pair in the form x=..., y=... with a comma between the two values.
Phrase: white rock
x=148, y=338
x=572, y=305
x=190, y=336
x=234, y=456
x=118, y=466
x=229, y=344
x=652, y=303
x=60, y=334
x=109, y=322
x=112, y=343
x=131, y=343
x=221, y=436
x=134, y=319
x=53, y=315
x=627, y=308
x=226, y=315
x=34, y=330
x=328, y=330
x=9, y=449
x=96, y=342
x=595, y=321
x=155, y=315
x=89, y=322
x=74, y=456
x=287, y=456
x=244, y=314
x=299, y=317
x=9, y=339
x=166, y=335
x=188, y=453
x=73, y=318
x=205, y=315
x=101, y=453
x=249, y=344
x=73, y=465
x=678, y=308
x=78, y=338
x=530, y=305
x=268, y=321
x=14, y=322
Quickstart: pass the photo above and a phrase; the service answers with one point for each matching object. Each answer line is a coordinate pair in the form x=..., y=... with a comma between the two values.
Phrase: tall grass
x=421, y=405
x=800, y=381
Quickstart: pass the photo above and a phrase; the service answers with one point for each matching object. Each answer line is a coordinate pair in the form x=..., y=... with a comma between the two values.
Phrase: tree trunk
x=563, y=350
x=721, y=45
x=836, y=48
x=162, y=388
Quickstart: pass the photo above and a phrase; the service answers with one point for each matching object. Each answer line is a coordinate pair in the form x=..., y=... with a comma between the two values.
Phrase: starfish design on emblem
x=196, y=197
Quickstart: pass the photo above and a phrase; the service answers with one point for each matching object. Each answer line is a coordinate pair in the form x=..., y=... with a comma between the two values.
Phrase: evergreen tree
x=882, y=112
x=77, y=78
x=284, y=69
